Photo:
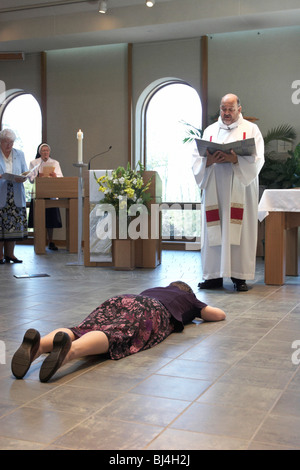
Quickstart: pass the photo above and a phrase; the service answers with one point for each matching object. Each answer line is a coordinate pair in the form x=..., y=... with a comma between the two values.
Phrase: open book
x=47, y=170
x=19, y=178
x=241, y=147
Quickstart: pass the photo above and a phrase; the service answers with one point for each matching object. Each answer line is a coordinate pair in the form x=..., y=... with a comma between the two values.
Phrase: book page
x=47, y=170
x=241, y=147
x=23, y=176
x=12, y=177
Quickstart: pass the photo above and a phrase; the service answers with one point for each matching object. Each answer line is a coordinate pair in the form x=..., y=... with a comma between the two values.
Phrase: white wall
x=153, y=62
x=87, y=90
x=23, y=74
x=260, y=67
x=87, y=87
x=179, y=59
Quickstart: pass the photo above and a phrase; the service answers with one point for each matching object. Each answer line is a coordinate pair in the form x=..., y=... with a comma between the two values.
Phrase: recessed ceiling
x=38, y=25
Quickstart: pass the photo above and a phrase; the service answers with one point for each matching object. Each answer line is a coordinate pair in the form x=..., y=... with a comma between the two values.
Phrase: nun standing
x=46, y=167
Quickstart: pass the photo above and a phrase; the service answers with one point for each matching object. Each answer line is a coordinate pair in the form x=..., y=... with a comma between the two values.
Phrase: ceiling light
x=150, y=3
x=102, y=7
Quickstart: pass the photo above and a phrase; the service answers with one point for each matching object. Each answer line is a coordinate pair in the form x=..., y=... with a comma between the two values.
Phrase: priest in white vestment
x=230, y=200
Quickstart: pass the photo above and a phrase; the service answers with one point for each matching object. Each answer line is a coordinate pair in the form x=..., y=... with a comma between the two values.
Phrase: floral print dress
x=13, y=220
x=131, y=322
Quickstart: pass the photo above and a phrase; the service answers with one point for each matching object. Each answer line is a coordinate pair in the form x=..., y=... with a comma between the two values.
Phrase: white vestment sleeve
x=200, y=170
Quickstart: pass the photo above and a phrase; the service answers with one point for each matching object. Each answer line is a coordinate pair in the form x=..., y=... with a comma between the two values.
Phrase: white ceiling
x=38, y=25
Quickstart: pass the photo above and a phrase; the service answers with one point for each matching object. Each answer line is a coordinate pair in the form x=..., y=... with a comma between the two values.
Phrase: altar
x=99, y=250
x=281, y=210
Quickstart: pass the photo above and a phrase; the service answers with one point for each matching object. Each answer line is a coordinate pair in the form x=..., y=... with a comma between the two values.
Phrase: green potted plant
x=280, y=173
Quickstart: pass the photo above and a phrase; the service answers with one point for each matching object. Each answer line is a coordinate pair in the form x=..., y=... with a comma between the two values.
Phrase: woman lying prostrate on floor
x=120, y=326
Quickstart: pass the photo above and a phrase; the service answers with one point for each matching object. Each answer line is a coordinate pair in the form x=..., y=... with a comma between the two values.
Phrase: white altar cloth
x=100, y=249
x=278, y=200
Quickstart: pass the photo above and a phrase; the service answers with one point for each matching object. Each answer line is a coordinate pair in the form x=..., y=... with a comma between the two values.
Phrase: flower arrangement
x=124, y=187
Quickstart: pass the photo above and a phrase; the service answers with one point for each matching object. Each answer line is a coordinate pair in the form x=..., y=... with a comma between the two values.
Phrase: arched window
x=21, y=112
x=168, y=107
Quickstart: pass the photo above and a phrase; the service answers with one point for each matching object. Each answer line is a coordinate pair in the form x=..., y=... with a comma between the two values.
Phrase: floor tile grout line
x=220, y=331
x=226, y=371
x=273, y=406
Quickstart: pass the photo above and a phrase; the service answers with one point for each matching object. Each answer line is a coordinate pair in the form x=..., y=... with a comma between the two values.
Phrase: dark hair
x=37, y=152
x=182, y=286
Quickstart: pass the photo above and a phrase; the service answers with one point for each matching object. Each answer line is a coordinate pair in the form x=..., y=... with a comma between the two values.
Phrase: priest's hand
x=221, y=157
x=231, y=157
x=216, y=157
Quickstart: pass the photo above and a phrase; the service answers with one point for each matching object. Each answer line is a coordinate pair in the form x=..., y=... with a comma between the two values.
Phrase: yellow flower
x=123, y=187
x=99, y=180
x=139, y=183
x=129, y=192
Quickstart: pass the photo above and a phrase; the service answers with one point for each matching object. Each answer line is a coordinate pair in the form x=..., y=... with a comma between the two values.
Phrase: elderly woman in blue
x=13, y=219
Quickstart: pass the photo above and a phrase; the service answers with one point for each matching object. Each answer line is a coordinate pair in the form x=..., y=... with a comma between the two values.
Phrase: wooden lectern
x=56, y=192
x=147, y=251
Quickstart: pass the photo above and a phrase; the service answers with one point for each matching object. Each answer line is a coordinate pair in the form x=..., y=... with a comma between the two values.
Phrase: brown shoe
x=61, y=346
x=24, y=356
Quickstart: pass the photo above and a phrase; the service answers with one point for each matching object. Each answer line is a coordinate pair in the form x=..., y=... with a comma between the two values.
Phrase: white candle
x=79, y=139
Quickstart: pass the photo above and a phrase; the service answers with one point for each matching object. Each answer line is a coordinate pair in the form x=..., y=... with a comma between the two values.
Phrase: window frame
x=150, y=93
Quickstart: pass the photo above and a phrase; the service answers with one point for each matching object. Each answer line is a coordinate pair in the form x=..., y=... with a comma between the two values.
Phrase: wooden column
x=44, y=95
x=129, y=105
x=204, y=80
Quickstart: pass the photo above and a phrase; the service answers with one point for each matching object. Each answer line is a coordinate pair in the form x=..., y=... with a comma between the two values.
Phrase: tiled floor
x=227, y=385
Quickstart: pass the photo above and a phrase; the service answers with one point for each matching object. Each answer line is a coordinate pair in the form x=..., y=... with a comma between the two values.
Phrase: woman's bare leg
x=62, y=346
x=46, y=342
x=92, y=343
x=9, y=247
